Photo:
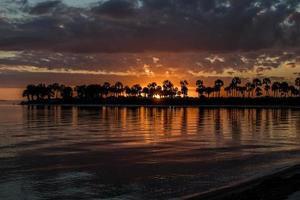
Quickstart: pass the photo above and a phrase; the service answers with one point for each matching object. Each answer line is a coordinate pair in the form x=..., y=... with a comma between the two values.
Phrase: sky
x=140, y=41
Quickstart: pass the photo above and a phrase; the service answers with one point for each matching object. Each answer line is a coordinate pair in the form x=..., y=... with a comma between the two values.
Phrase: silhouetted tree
x=258, y=92
x=56, y=87
x=26, y=94
x=127, y=90
x=284, y=88
x=152, y=89
x=136, y=90
x=184, y=88
x=267, y=83
x=297, y=83
x=145, y=91
x=208, y=91
x=200, y=87
x=93, y=91
x=158, y=91
x=250, y=88
x=234, y=84
x=119, y=88
x=275, y=88
x=106, y=88
x=293, y=90
x=218, y=86
x=67, y=93
x=81, y=91
x=168, y=89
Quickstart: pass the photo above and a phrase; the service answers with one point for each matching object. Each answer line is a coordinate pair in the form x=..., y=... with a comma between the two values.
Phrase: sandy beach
x=281, y=185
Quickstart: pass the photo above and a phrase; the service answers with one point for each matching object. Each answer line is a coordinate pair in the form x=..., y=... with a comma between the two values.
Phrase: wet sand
x=282, y=185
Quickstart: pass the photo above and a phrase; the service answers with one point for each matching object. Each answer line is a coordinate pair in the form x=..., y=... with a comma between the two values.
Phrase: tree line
x=254, y=88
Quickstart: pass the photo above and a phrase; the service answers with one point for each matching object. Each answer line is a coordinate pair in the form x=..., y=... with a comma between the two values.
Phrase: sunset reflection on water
x=140, y=152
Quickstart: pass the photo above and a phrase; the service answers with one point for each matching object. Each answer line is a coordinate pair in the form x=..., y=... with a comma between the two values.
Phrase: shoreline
x=281, y=184
x=268, y=102
x=166, y=106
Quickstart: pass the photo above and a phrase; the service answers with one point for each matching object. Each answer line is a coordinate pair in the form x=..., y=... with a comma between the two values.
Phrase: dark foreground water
x=139, y=153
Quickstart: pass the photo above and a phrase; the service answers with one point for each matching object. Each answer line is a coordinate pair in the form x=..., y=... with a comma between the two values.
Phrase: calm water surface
x=139, y=153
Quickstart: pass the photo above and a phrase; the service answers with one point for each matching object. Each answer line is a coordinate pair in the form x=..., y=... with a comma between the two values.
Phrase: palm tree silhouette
x=145, y=91
x=152, y=88
x=267, y=83
x=136, y=90
x=258, y=92
x=208, y=91
x=81, y=91
x=297, y=82
x=200, y=87
x=119, y=88
x=250, y=88
x=127, y=90
x=184, y=88
x=67, y=93
x=284, y=89
x=218, y=85
x=158, y=91
x=275, y=88
x=106, y=88
x=234, y=83
x=168, y=89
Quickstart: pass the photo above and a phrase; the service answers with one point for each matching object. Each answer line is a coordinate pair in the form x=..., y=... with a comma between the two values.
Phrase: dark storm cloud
x=117, y=8
x=158, y=25
x=44, y=7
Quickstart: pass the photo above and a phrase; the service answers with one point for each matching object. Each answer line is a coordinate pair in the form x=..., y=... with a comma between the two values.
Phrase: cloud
x=119, y=9
x=8, y=54
x=34, y=69
x=150, y=25
x=44, y=7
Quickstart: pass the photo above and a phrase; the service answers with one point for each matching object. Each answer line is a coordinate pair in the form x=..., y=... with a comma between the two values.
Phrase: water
x=139, y=153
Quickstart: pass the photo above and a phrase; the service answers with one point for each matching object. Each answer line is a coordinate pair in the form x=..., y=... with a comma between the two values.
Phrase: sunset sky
x=140, y=41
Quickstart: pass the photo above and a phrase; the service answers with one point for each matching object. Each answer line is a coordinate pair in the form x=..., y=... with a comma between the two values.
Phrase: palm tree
x=136, y=90
x=267, y=83
x=93, y=91
x=158, y=91
x=234, y=83
x=67, y=93
x=128, y=91
x=250, y=88
x=218, y=85
x=152, y=88
x=200, y=87
x=26, y=94
x=145, y=91
x=184, y=88
x=208, y=91
x=258, y=92
x=30, y=91
x=168, y=89
x=275, y=88
x=119, y=88
x=106, y=88
x=41, y=91
x=257, y=82
x=227, y=90
x=294, y=91
x=50, y=92
x=241, y=90
x=284, y=88
x=56, y=87
x=297, y=82
x=81, y=91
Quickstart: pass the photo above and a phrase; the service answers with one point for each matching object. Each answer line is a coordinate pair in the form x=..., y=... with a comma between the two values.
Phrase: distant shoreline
x=169, y=106
x=265, y=102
